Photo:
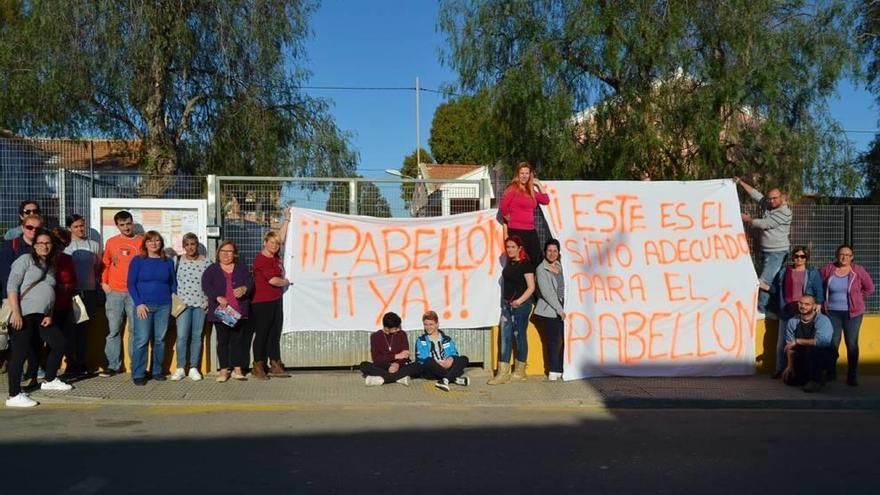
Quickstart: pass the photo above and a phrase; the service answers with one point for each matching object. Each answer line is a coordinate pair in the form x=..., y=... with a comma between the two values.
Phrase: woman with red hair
x=522, y=196
x=518, y=279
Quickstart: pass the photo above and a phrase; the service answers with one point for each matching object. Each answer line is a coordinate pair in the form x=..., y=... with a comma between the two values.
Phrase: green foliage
x=672, y=89
x=458, y=132
x=410, y=168
x=210, y=87
x=370, y=201
x=869, y=35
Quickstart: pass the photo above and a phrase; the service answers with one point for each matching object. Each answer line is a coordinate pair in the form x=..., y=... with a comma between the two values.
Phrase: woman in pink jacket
x=522, y=196
x=847, y=285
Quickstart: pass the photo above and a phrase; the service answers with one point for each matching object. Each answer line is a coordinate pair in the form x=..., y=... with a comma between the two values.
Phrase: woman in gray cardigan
x=549, y=310
x=31, y=292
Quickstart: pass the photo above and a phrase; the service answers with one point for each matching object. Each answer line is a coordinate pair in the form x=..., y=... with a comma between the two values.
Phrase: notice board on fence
x=659, y=280
x=172, y=218
x=347, y=270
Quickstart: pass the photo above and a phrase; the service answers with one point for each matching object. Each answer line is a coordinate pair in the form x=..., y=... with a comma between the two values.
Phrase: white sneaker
x=373, y=381
x=177, y=375
x=442, y=384
x=554, y=375
x=21, y=400
x=194, y=375
x=463, y=381
x=56, y=384
x=404, y=381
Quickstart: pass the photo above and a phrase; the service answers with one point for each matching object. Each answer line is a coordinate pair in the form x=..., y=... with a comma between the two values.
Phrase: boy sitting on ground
x=438, y=356
x=389, y=348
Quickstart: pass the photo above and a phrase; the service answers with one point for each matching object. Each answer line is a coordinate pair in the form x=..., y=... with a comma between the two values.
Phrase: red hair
x=523, y=255
x=516, y=186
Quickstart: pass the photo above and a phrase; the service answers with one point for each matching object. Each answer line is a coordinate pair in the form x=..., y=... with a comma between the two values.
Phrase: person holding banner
x=549, y=308
x=438, y=356
x=774, y=227
x=847, y=286
x=518, y=279
x=228, y=284
x=389, y=349
x=789, y=285
x=522, y=196
x=151, y=281
x=267, y=310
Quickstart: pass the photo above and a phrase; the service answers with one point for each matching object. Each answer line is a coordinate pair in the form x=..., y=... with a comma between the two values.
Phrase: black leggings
x=23, y=345
x=266, y=319
x=531, y=243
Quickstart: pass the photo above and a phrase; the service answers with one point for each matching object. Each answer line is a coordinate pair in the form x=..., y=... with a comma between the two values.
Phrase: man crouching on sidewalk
x=808, y=347
x=389, y=348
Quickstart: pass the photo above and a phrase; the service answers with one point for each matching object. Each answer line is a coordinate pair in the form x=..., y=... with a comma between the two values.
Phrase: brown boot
x=259, y=371
x=277, y=369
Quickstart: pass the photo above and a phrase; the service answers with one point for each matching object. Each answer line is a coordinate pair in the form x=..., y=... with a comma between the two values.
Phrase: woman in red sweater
x=266, y=306
x=522, y=196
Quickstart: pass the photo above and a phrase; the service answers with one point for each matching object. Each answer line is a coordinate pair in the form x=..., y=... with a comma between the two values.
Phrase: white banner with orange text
x=347, y=271
x=658, y=277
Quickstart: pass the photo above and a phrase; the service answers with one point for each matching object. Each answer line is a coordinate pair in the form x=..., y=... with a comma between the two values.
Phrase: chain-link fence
x=63, y=176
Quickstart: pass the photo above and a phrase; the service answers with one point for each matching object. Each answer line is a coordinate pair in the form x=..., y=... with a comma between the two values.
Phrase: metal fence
x=64, y=175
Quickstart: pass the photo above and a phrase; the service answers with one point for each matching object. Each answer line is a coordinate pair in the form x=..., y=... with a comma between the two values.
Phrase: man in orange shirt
x=119, y=251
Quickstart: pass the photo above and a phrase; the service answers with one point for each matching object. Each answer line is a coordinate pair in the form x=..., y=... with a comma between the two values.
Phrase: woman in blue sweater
x=151, y=282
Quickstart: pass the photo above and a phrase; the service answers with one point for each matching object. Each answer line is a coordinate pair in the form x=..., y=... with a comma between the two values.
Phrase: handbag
x=177, y=305
x=80, y=314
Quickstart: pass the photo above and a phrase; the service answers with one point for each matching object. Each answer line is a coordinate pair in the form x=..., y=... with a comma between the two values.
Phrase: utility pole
x=418, y=131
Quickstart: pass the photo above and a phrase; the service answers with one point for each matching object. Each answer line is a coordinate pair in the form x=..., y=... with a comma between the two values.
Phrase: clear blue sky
x=387, y=43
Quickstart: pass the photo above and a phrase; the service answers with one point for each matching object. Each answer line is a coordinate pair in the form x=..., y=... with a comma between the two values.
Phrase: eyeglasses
x=29, y=211
x=799, y=256
x=30, y=227
x=844, y=255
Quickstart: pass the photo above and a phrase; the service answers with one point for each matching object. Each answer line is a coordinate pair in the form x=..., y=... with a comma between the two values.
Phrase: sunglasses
x=28, y=212
x=30, y=227
x=799, y=256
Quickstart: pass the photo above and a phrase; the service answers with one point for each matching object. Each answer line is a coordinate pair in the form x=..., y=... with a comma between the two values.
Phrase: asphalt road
x=86, y=449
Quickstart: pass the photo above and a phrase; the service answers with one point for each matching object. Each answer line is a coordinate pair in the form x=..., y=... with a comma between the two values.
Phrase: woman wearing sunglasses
x=790, y=284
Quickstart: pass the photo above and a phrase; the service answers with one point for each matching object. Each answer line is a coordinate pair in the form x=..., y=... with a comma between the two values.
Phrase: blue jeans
x=118, y=306
x=514, y=323
x=152, y=328
x=772, y=263
x=190, y=324
x=840, y=321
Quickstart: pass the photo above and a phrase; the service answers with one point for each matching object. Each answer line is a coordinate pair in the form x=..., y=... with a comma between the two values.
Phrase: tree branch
x=183, y=125
x=101, y=108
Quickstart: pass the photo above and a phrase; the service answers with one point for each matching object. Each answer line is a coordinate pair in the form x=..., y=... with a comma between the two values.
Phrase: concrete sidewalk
x=344, y=388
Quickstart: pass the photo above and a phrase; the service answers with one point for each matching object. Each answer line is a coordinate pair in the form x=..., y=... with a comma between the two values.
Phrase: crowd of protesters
x=51, y=281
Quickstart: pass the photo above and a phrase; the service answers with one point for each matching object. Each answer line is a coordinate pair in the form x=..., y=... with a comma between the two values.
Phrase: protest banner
x=347, y=271
x=659, y=281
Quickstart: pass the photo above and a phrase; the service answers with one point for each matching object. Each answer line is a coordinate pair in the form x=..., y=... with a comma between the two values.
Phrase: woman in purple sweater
x=847, y=285
x=228, y=284
x=151, y=281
